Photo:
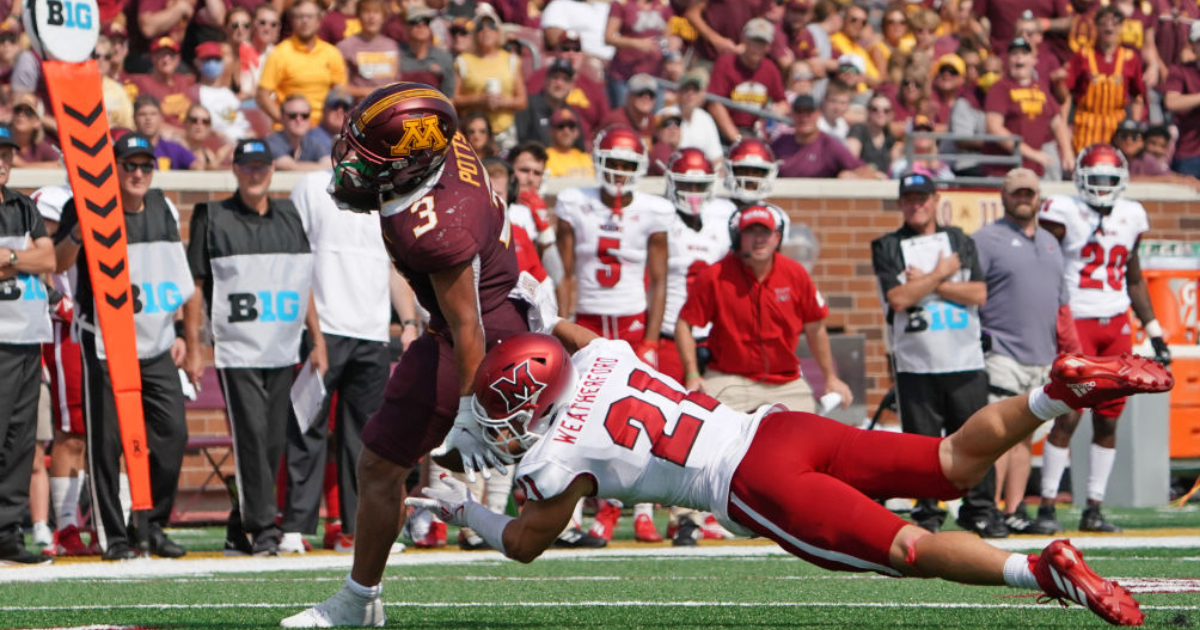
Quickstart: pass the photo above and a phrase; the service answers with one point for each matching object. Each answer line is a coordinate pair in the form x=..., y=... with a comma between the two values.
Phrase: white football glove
x=467, y=438
x=448, y=499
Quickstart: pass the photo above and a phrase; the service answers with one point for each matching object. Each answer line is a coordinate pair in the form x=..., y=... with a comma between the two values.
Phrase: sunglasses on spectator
x=806, y=76
x=897, y=21
x=488, y=24
x=24, y=110
x=912, y=83
x=9, y=38
x=670, y=122
x=571, y=47
x=856, y=20
x=199, y=121
x=131, y=167
x=642, y=93
x=106, y=56
x=951, y=70
x=458, y=30
x=566, y=125
x=237, y=26
x=881, y=110
x=421, y=20
x=298, y=115
x=274, y=24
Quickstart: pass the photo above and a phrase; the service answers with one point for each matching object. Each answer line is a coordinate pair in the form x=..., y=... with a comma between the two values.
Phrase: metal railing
x=1011, y=160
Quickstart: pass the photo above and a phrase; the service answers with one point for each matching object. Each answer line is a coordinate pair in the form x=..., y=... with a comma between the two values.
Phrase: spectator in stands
x=588, y=18
x=239, y=25
x=355, y=311
x=967, y=118
x=461, y=29
x=340, y=21
x=666, y=139
x=172, y=89
x=813, y=153
x=911, y=97
x=337, y=105
x=922, y=146
x=872, y=141
x=1154, y=158
x=372, y=58
x=698, y=128
x=719, y=24
x=1002, y=16
x=637, y=29
x=638, y=112
x=851, y=70
x=799, y=79
x=491, y=81
x=478, y=130
x=302, y=64
x=1102, y=82
x=265, y=34
x=117, y=105
x=940, y=376
x=848, y=41
x=1047, y=68
x=588, y=97
x=213, y=151
x=1130, y=140
x=116, y=33
x=563, y=157
x=148, y=121
x=27, y=251
x=923, y=24
x=1023, y=268
x=253, y=240
x=1182, y=97
x=747, y=78
x=533, y=122
x=10, y=47
x=759, y=302
x=895, y=29
x=833, y=110
x=298, y=146
x=214, y=94
x=420, y=59
x=1018, y=105
x=157, y=19
x=528, y=162
x=949, y=77
x=151, y=222
x=33, y=149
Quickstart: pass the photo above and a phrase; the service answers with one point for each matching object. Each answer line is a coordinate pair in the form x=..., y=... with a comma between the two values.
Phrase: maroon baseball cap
x=164, y=43
x=758, y=215
x=208, y=50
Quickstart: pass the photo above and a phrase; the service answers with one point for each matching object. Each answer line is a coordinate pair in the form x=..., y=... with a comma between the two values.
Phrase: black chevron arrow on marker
x=107, y=241
x=114, y=271
x=104, y=210
x=116, y=302
x=92, y=150
x=86, y=119
x=97, y=180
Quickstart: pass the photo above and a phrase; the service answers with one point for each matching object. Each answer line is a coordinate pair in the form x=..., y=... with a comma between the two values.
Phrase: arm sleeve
x=997, y=101
x=197, y=251
x=811, y=305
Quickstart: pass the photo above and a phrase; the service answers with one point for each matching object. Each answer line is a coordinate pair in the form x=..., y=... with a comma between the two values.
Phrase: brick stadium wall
x=845, y=216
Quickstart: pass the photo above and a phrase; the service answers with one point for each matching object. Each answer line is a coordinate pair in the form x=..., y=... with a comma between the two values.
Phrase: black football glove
x=1162, y=353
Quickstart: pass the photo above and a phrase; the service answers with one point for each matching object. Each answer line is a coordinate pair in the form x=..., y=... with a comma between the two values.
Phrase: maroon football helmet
x=517, y=386
x=749, y=170
x=391, y=142
x=1101, y=174
x=690, y=180
x=619, y=143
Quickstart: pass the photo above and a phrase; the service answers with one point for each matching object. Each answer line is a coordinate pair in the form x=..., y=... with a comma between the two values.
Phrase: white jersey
x=50, y=201
x=690, y=252
x=1097, y=249
x=640, y=436
x=610, y=249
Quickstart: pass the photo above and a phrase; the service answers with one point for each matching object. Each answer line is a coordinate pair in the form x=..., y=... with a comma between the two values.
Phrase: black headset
x=781, y=218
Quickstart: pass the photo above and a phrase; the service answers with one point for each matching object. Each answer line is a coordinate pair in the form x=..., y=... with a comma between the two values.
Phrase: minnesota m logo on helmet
x=419, y=134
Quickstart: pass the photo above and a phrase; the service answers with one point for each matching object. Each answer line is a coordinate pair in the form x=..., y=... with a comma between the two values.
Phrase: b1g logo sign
x=23, y=287
x=65, y=30
x=264, y=306
x=152, y=298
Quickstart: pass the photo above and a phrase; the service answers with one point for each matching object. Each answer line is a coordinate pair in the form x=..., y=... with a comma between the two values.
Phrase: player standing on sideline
x=1099, y=232
x=613, y=244
x=596, y=425
x=447, y=232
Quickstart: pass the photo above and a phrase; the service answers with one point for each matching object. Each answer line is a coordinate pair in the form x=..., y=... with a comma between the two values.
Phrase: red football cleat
x=332, y=533
x=644, y=530
x=1064, y=576
x=713, y=530
x=68, y=543
x=605, y=523
x=1083, y=382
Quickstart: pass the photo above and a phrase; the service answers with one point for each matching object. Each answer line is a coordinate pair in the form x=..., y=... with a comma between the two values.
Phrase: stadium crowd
x=578, y=88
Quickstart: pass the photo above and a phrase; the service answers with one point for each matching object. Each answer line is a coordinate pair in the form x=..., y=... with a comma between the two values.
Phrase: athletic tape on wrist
x=488, y=524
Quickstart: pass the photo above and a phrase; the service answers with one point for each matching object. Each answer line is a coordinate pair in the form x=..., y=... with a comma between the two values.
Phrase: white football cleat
x=291, y=542
x=343, y=609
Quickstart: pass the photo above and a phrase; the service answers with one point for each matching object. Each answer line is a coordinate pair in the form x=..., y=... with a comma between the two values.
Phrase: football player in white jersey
x=604, y=423
x=1099, y=232
x=613, y=244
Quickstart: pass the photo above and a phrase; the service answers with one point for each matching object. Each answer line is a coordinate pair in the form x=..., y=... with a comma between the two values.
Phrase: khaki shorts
x=743, y=394
x=1006, y=373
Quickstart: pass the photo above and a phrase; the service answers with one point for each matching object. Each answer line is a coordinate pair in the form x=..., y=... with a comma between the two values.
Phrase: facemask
x=211, y=68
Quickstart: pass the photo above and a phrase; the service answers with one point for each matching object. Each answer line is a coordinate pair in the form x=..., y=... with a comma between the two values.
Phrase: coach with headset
x=758, y=302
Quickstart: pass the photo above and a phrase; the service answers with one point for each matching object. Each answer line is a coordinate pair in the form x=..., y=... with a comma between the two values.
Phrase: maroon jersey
x=446, y=223
x=1027, y=113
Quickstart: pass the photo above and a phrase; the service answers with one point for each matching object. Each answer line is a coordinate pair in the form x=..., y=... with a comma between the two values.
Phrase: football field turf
x=740, y=584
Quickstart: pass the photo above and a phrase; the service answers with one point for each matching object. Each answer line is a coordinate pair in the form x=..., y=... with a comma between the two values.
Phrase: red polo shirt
x=756, y=326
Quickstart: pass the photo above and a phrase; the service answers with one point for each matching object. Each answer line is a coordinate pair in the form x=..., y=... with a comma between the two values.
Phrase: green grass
x=619, y=591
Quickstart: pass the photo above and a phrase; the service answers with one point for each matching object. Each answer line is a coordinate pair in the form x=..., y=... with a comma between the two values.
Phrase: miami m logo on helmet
x=420, y=134
x=521, y=390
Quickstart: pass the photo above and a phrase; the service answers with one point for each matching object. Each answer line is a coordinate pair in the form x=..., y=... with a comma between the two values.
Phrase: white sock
x=125, y=497
x=1044, y=407
x=1017, y=573
x=1054, y=462
x=365, y=592
x=1101, y=460
x=64, y=498
x=577, y=515
x=643, y=509
x=497, y=491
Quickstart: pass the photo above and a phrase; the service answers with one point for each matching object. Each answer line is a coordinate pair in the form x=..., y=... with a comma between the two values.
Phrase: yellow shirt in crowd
x=293, y=68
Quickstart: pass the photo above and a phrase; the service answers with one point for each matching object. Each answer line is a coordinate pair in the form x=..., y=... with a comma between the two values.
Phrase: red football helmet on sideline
x=622, y=144
x=1101, y=174
x=750, y=169
x=391, y=142
x=517, y=386
x=690, y=180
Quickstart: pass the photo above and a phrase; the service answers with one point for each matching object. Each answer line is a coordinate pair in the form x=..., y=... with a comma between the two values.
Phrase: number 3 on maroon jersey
x=1113, y=261
x=674, y=447
x=610, y=273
